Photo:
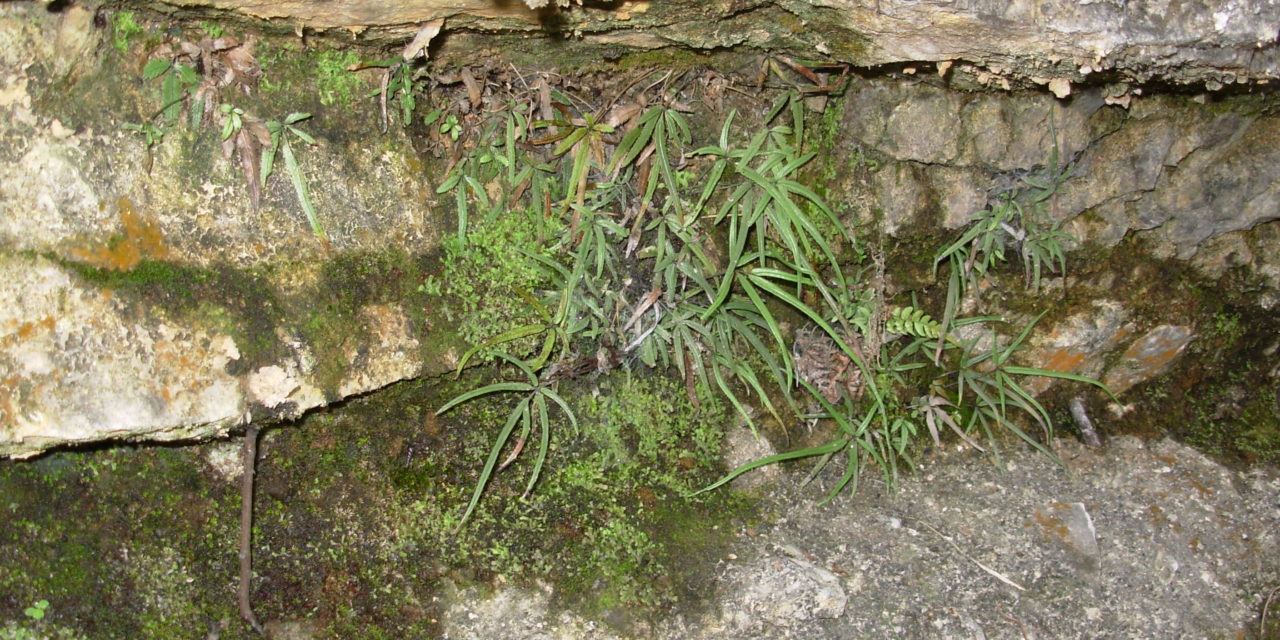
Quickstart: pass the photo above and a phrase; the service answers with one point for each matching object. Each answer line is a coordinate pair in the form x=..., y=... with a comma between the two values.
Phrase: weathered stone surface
x=1148, y=356
x=1256, y=251
x=1049, y=43
x=785, y=589
x=1070, y=525
x=1132, y=539
x=78, y=366
x=1078, y=343
x=1178, y=172
x=145, y=298
x=519, y=614
x=82, y=364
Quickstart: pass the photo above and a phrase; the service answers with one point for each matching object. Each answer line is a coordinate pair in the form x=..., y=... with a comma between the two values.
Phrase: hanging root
x=1087, y=432
x=250, y=456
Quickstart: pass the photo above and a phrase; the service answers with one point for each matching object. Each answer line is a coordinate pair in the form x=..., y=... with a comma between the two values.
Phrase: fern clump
x=716, y=263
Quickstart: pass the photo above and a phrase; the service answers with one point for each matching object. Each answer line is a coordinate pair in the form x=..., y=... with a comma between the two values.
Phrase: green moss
x=124, y=29
x=316, y=80
x=348, y=499
x=1234, y=411
x=225, y=300
x=152, y=566
x=335, y=82
x=485, y=276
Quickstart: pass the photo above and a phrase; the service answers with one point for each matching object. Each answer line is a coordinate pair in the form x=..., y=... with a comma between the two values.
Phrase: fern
x=913, y=322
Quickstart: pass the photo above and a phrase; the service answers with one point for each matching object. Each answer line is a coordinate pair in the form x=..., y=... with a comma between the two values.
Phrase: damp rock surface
x=1138, y=539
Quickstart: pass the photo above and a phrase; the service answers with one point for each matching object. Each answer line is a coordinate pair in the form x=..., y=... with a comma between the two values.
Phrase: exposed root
x=1262, y=623
x=1087, y=432
x=249, y=459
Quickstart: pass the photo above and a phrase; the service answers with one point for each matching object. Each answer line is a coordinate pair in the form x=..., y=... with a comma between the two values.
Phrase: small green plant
x=179, y=85
x=36, y=627
x=211, y=29
x=124, y=28
x=228, y=64
x=281, y=132
x=151, y=134
x=1020, y=218
x=401, y=82
x=530, y=410
x=36, y=611
x=450, y=127
x=233, y=120
x=649, y=262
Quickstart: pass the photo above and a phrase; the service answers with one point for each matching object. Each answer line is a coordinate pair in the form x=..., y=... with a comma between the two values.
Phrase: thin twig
x=1087, y=432
x=249, y=460
x=999, y=576
x=1262, y=624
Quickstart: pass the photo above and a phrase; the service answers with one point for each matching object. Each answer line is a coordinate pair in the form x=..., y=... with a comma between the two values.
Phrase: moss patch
x=155, y=561
x=224, y=300
x=355, y=515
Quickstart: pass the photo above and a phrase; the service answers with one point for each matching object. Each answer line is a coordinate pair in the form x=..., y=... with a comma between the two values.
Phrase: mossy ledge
x=271, y=323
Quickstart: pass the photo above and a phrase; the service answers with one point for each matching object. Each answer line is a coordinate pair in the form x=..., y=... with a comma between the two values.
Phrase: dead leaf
x=243, y=67
x=642, y=307
x=474, y=92
x=250, y=163
x=544, y=99
x=421, y=41
x=802, y=70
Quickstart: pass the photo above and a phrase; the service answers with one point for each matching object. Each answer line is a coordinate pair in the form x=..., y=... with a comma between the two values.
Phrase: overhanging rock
x=1041, y=41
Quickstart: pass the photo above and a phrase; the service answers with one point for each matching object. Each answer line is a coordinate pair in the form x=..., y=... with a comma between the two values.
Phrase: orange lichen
x=142, y=239
x=1064, y=360
x=8, y=390
x=1051, y=520
x=27, y=329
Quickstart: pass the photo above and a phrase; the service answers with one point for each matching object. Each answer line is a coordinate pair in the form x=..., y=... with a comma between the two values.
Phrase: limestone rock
x=145, y=298
x=781, y=590
x=1078, y=343
x=1148, y=356
x=1056, y=42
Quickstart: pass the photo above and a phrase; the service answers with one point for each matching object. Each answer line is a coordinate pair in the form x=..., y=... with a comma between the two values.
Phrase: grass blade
x=521, y=411
x=497, y=387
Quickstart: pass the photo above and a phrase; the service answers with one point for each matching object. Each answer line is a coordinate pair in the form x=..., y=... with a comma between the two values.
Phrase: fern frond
x=913, y=322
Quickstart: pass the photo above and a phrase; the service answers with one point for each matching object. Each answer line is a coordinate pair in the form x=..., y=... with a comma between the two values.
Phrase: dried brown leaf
x=242, y=64
x=248, y=147
x=623, y=114
x=474, y=92
x=422, y=40
x=643, y=306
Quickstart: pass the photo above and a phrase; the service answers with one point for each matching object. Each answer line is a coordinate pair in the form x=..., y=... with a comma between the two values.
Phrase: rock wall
x=1195, y=179
x=1055, y=42
x=144, y=297
x=147, y=299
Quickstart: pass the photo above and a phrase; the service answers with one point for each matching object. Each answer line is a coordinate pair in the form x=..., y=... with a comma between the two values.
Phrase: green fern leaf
x=913, y=322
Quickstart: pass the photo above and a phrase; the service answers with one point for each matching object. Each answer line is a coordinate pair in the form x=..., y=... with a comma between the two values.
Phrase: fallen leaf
x=421, y=41
x=474, y=92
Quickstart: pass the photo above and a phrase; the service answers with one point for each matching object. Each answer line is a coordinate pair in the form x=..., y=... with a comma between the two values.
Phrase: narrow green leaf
x=302, y=135
x=300, y=187
x=521, y=411
x=156, y=68
x=1074, y=377
x=506, y=336
x=543, y=446
x=497, y=387
x=830, y=447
